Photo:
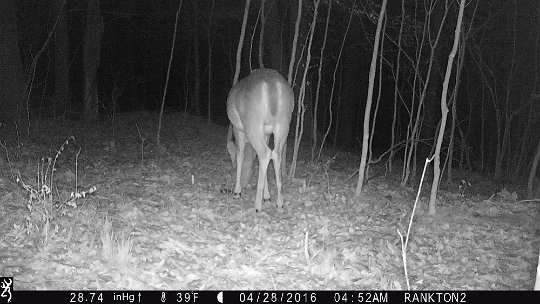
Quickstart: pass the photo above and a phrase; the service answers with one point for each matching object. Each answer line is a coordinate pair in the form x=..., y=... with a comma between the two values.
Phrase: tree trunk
x=537, y=284
x=315, y=129
x=416, y=123
x=196, y=100
x=162, y=106
x=396, y=90
x=455, y=120
x=444, y=112
x=369, y=101
x=430, y=121
x=185, y=83
x=249, y=152
x=300, y=53
x=532, y=173
x=210, y=62
x=273, y=27
x=338, y=109
x=262, y=17
x=301, y=104
x=11, y=75
x=92, y=50
x=61, y=59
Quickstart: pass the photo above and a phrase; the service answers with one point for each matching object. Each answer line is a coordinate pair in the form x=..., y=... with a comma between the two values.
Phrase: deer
x=258, y=106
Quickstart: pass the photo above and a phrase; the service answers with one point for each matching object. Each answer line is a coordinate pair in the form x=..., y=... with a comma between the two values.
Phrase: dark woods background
x=82, y=60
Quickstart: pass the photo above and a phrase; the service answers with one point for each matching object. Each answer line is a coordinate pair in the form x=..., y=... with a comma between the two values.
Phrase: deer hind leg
x=284, y=157
x=266, y=193
x=262, y=185
x=280, y=141
x=241, y=140
x=258, y=141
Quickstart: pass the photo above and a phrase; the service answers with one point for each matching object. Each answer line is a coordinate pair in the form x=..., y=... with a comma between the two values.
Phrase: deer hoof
x=226, y=190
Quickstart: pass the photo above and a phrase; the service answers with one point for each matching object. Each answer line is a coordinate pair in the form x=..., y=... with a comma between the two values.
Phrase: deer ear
x=231, y=149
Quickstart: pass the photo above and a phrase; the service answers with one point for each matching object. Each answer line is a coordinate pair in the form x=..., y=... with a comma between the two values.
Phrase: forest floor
x=162, y=222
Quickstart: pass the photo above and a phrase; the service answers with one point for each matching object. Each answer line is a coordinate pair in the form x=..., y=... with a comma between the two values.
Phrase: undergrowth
x=46, y=201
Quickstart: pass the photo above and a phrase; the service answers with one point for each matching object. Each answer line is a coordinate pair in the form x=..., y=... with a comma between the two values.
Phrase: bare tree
x=416, y=121
x=196, y=97
x=11, y=77
x=330, y=103
x=532, y=173
x=367, y=113
x=300, y=104
x=319, y=80
x=378, y=102
x=537, y=283
x=92, y=53
x=240, y=44
x=290, y=76
x=455, y=121
x=261, y=33
x=444, y=111
x=168, y=72
x=396, y=85
x=210, y=62
x=61, y=58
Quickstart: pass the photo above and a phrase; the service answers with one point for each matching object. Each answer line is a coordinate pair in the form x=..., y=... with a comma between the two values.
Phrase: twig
x=406, y=242
x=76, y=170
x=142, y=144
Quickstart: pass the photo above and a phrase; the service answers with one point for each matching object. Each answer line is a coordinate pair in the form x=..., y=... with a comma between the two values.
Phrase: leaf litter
x=160, y=222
